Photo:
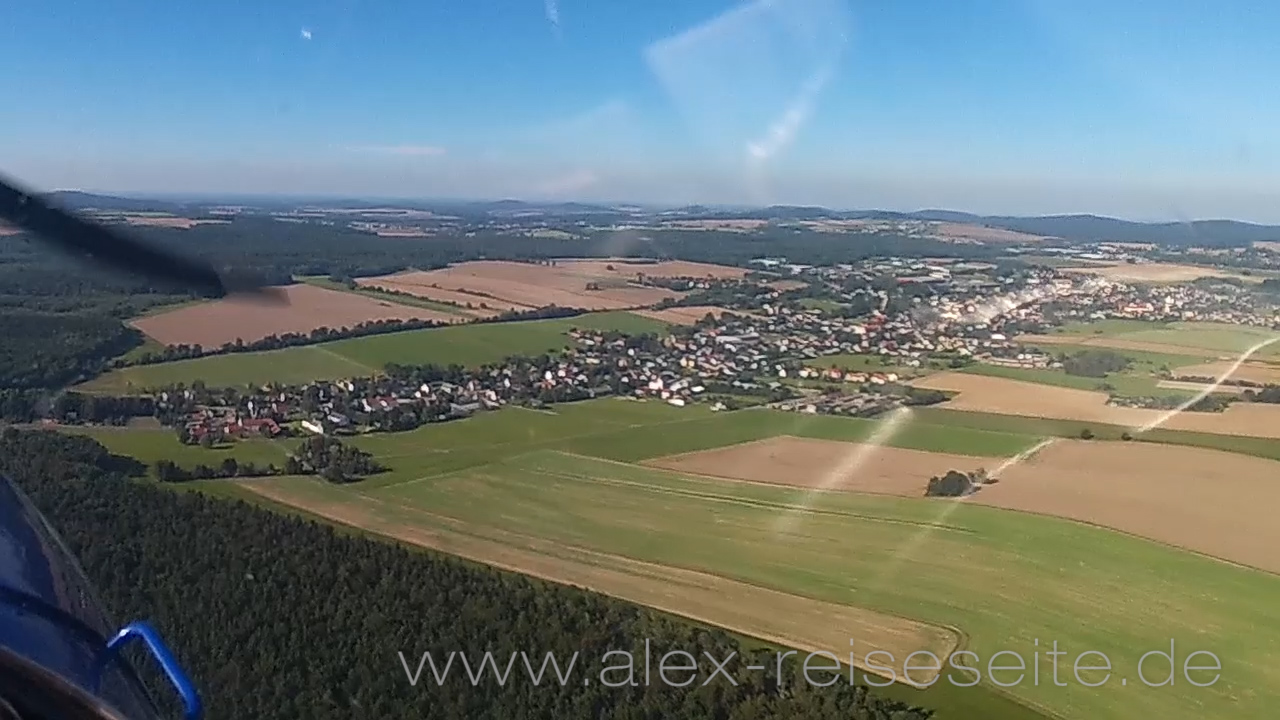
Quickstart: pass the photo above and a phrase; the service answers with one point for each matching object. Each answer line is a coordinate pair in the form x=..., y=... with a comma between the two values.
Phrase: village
x=776, y=352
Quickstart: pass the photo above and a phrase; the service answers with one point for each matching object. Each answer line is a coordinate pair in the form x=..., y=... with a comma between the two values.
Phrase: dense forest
x=276, y=250
x=280, y=617
x=45, y=350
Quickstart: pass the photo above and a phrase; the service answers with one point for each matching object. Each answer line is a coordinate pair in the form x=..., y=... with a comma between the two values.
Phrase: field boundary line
x=747, y=502
x=327, y=351
x=723, y=479
x=538, y=446
x=951, y=639
x=1107, y=528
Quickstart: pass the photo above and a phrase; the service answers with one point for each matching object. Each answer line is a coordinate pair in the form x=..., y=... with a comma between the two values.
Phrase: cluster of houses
x=758, y=352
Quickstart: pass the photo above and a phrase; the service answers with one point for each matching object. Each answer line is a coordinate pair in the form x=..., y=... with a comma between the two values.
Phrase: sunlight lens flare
x=846, y=468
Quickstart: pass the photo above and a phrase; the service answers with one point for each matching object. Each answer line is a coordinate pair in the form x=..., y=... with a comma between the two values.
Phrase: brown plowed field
x=1217, y=503
x=524, y=285
x=1208, y=501
x=826, y=464
x=213, y=323
x=979, y=393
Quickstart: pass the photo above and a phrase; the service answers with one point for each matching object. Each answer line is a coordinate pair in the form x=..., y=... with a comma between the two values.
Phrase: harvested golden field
x=1253, y=372
x=961, y=231
x=628, y=268
x=1157, y=272
x=526, y=285
x=1213, y=502
x=826, y=464
x=980, y=393
x=1117, y=343
x=419, y=285
x=789, y=620
x=213, y=323
x=688, y=315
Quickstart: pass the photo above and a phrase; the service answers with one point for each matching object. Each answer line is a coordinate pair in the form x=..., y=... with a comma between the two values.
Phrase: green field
x=1207, y=336
x=863, y=363
x=1139, y=380
x=1008, y=579
x=151, y=445
x=468, y=345
x=1128, y=384
x=1005, y=579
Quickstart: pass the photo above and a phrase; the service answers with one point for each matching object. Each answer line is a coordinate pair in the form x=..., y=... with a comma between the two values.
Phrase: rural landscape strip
x=765, y=614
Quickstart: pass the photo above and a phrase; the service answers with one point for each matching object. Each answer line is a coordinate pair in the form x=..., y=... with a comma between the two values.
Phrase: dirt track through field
x=827, y=464
x=774, y=616
x=1209, y=501
x=980, y=393
x=221, y=321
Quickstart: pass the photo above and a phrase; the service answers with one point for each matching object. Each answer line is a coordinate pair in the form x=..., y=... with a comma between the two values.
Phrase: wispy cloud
x=551, y=8
x=785, y=128
x=749, y=79
x=306, y=34
x=402, y=150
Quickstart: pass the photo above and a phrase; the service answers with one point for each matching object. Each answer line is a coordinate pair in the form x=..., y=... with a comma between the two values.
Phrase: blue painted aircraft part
x=51, y=617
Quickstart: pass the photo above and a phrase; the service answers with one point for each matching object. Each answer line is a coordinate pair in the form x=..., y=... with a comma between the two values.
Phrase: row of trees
x=169, y=471
x=277, y=342
x=276, y=617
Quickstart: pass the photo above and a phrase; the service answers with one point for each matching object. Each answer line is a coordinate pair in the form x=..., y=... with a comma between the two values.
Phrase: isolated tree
x=1086, y=434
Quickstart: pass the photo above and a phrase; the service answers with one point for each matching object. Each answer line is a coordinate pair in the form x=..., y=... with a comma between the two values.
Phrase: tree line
x=276, y=617
x=277, y=342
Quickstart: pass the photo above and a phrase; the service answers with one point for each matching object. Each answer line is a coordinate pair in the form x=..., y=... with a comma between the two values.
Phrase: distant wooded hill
x=1072, y=228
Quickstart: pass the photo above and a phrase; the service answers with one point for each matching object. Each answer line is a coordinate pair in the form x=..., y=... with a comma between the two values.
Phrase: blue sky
x=1151, y=110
